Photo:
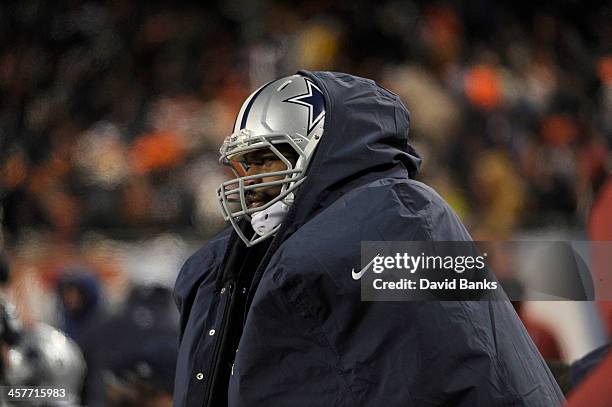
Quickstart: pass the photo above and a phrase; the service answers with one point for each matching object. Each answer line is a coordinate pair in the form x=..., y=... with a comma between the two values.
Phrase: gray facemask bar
x=225, y=197
x=293, y=179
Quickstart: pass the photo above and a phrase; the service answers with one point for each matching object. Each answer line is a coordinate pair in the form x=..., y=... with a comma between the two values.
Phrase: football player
x=270, y=314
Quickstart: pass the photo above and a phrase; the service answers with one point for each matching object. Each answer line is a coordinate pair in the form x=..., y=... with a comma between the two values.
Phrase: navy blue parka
x=308, y=339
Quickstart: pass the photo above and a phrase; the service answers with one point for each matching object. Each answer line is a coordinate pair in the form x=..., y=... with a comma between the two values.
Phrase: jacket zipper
x=218, y=342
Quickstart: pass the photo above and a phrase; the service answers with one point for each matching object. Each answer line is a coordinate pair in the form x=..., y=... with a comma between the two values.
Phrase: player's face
x=260, y=162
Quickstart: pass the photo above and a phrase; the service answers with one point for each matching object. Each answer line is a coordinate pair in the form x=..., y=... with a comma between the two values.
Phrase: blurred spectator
x=595, y=389
x=581, y=368
x=144, y=378
x=147, y=319
x=81, y=301
x=498, y=195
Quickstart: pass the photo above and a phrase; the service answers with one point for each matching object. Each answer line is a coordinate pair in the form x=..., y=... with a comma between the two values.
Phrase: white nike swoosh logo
x=357, y=276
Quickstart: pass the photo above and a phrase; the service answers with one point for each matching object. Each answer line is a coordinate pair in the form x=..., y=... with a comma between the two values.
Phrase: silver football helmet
x=46, y=357
x=288, y=112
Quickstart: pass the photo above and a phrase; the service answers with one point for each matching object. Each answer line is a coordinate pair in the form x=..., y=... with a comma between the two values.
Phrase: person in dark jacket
x=144, y=328
x=270, y=314
x=80, y=296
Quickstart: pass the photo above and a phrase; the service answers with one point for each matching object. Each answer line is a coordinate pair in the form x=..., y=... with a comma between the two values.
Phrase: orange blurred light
x=483, y=87
x=156, y=150
x=605, y=69
x=559, y=130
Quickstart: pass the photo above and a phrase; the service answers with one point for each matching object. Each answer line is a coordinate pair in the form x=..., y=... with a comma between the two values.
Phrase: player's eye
x=267, y=161
x=262, y=161
x=253, y=161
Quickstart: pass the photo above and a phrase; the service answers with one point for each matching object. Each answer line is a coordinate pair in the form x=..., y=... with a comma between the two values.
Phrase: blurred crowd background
x=112, y=113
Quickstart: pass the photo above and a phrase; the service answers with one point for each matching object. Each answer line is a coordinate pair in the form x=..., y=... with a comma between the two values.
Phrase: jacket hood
x=365, y=138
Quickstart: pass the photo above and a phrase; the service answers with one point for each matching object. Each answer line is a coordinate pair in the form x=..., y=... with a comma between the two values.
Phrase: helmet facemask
x=234, y=194
x=282, y=120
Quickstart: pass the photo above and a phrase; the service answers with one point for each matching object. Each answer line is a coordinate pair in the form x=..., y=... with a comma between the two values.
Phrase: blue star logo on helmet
x=314, y=100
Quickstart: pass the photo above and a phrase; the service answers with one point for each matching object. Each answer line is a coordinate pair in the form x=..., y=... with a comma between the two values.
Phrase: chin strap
x=267, y=220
